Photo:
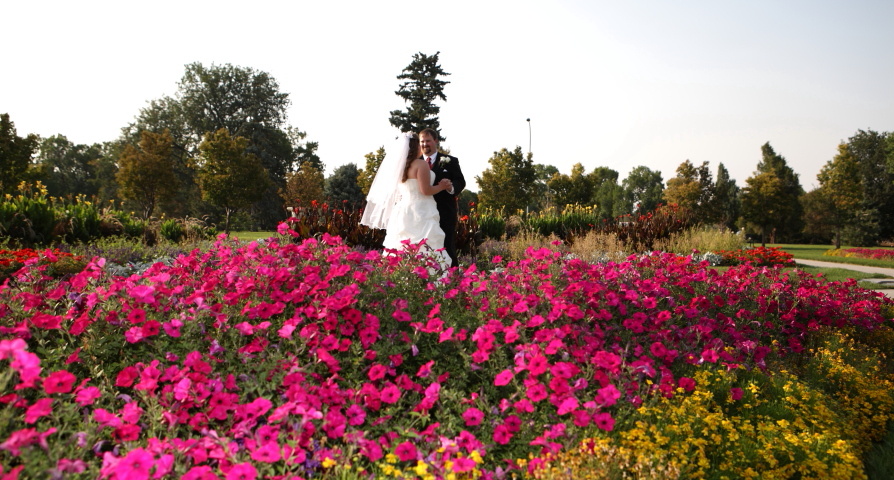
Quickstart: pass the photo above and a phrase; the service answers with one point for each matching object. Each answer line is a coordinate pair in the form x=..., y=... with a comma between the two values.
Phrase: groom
x=444, y=166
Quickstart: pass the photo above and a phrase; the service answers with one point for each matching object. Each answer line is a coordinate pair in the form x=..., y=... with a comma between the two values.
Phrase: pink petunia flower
x=503, y=378
x=502, y=435
x=267, y=453
x=39, y=409
x=60, y=381
x=406, y=451
x=242, y=471
x=376, y=372
x=86, y=396
x=604, y=421
x=390, y=393
x=135, y=466
x=473, y=416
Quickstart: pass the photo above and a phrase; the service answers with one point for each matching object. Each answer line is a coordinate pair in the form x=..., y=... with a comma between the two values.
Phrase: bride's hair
x=412, y=153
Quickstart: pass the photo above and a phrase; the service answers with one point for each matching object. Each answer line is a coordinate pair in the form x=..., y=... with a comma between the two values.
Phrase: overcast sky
x=617, y=84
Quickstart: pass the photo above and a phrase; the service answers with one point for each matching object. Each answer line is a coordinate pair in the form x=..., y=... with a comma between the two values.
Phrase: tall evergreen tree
x=342, y=187
x=421, y=86
x=726, y=202
x=790, y=212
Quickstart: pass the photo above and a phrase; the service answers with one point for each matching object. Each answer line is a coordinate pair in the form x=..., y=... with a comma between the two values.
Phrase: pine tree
x=420, y=88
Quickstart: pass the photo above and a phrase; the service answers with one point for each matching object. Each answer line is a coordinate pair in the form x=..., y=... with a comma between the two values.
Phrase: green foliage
x=230, y=177
x=641, y=191
x=420, y=88
x=172, y=230
x=15, y=154
x=342, y=187
x=373, y=162
x=508, y=184
x=146, y=173
x=67, y=169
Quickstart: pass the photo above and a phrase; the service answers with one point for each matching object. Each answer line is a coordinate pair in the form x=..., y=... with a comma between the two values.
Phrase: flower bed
x=12, y=260
x=301, y=360
x=874, y=253
x=758, y=256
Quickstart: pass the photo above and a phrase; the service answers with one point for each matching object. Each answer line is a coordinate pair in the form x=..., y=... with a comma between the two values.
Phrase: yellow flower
x=421, y=468
x=328, y=463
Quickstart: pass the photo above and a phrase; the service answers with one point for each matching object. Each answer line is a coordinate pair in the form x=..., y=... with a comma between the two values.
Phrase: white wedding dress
x=415, y=218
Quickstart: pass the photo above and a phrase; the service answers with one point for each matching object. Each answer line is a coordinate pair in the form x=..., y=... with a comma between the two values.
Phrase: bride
x=400, y=201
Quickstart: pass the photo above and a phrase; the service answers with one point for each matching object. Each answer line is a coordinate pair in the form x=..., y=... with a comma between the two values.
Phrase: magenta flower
x=687, y=384
x=607, y=395
x=503, y=378
x=201, y=472
x=86, y=396
x=39, y=409
x=536, y=392
x=60, y=381
x=376, y=372
x=242, y=471
x=406, y=451
x=736, y=393
x=473, y=416
x=502, y=435
x=604, y=421
x=135, y=466
x=356, y=415
x=463, y=464
x=267, y=453
x=390, y=393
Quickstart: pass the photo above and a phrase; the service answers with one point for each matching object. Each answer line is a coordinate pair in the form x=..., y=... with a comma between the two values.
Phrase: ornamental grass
x=298, y=359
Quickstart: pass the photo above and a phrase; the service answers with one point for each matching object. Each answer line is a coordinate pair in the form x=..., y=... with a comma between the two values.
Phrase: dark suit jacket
x=447, y=166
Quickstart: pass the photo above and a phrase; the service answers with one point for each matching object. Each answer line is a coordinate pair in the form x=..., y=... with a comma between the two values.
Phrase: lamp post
x=529, y=137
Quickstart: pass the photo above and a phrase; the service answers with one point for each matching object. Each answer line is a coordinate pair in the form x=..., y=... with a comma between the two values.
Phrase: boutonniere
x=445, y=161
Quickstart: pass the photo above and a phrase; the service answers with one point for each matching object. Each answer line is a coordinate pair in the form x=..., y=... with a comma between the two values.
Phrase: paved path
x=888, y=283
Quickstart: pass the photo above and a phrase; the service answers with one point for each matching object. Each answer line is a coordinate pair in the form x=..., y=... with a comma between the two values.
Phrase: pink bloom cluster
x=256, y=358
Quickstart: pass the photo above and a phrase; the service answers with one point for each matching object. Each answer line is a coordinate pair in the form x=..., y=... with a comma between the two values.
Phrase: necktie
x=428, y=159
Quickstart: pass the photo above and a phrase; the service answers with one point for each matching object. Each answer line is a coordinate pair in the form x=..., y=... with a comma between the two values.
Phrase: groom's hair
x=432, y=133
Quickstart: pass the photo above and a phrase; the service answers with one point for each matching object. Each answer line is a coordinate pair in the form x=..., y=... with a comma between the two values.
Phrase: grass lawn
x=249, y=236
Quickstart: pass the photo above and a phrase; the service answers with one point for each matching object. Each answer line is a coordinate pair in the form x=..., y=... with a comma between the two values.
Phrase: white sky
x=617, y=84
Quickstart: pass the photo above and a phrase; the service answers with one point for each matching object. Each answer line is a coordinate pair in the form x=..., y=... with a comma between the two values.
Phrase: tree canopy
x=229, y=176
x=509, y=183
x=15, y=154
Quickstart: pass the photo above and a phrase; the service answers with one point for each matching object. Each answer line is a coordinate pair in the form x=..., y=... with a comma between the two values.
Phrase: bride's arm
x=420, y=170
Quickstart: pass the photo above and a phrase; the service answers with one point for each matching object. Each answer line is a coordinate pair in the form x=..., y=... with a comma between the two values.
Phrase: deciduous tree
x=840, y=193
x=508, y=183
x=641, y=191
x=15, y=154
x=67, y=169
x=373, y=162
x=229, y=176
x=146, y=173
